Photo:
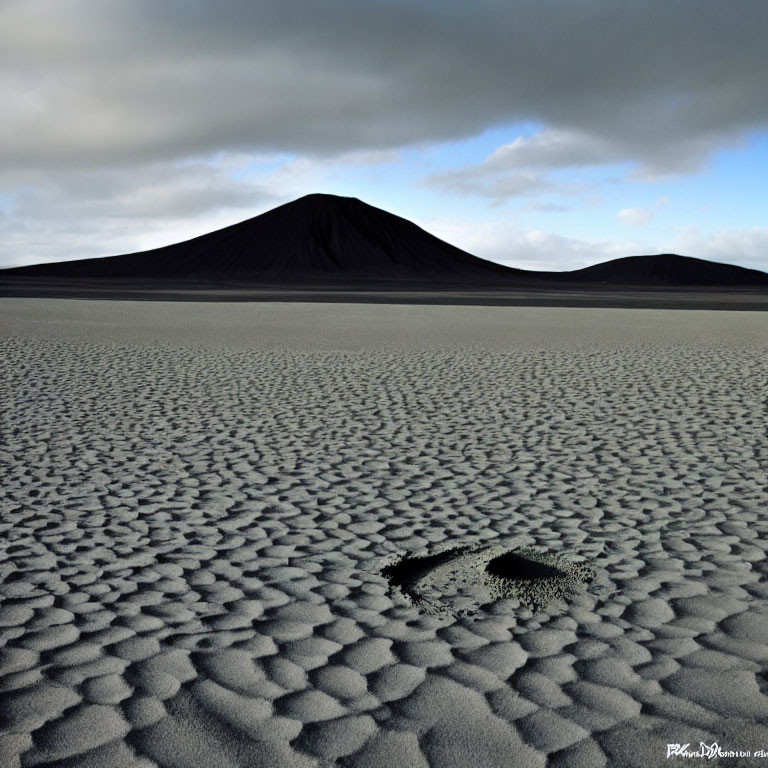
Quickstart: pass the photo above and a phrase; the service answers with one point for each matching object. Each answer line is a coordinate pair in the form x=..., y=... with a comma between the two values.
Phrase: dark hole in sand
x=512, y=566
x=465, y=578
x=407, y=570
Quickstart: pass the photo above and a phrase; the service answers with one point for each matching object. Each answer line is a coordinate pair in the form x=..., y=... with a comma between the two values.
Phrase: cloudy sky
x=545, y=134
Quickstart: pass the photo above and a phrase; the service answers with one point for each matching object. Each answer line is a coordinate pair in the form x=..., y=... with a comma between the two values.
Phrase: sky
x=542, y=134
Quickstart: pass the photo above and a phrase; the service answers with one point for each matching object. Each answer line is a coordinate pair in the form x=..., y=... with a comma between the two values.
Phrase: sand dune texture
x=200, y=503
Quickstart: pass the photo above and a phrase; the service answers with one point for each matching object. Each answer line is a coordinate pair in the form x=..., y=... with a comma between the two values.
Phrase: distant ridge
x=666, y=269
x=324, y=239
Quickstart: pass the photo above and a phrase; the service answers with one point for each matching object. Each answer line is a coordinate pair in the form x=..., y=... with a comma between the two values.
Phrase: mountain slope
x=330, y=240
x=313, y=238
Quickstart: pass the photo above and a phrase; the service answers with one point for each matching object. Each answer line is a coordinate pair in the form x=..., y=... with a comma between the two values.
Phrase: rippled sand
x=198, y=501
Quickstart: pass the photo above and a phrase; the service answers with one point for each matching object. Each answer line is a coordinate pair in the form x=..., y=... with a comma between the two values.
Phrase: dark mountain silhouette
x=341, y=241
x=315, y=238
x=666, y=269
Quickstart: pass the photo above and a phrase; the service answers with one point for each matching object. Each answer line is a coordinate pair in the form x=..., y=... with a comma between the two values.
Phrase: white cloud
x=107, y=211
x=507, y=243
x=476, y=180
x=519, y=168
x=553, y=149
x=641, y=217
x=635, y=217
x=78, y=214
x=747, y=247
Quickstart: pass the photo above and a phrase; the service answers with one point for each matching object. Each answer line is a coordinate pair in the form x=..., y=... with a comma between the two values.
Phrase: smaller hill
x=665, y=269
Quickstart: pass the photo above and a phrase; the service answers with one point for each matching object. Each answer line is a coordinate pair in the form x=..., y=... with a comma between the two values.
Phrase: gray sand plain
x=198, y=500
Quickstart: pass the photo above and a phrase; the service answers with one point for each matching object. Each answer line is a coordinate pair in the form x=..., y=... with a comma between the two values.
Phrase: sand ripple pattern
x=191, y=539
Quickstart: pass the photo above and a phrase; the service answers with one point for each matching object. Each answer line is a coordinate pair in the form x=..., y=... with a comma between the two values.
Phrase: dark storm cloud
x=91, y=82
x=148, y=191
